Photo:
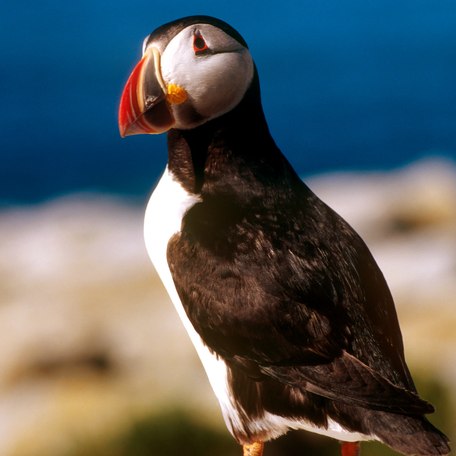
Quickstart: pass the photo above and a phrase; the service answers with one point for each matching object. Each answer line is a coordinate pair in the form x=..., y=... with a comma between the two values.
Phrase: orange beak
x=143, y=106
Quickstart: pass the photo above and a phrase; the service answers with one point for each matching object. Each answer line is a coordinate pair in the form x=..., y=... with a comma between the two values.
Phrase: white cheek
x=178, y=59
x=215, y=83
x=220, y=81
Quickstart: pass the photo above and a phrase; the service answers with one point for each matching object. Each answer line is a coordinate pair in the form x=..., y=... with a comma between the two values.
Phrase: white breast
x=165, y=210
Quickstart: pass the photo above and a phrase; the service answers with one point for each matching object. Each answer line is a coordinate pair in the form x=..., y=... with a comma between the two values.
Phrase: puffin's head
x=192, y=70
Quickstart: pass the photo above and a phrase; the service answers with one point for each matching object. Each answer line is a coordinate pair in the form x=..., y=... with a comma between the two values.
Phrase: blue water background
x=347, y=84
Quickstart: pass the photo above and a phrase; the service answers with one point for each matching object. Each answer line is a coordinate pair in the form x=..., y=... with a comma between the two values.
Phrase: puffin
x=285, y=305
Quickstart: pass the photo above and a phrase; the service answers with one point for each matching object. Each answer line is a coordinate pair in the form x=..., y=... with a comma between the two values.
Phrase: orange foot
x=253, y=449
x=350, y=448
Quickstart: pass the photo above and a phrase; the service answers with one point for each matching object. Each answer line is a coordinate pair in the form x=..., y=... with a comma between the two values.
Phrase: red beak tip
x=126, y=131
x=123, y=129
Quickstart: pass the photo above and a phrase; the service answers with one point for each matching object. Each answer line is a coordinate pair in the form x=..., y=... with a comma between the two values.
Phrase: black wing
x=290, y=291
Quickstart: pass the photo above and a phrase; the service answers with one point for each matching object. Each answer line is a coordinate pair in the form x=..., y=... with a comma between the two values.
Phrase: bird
x=287, y=309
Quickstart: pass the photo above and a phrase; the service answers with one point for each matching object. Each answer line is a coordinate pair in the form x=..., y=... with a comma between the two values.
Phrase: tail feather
x=412, y=436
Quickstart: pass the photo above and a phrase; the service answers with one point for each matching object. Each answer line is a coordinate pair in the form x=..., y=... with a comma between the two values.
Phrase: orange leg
x=350, y=448
x=253, y=449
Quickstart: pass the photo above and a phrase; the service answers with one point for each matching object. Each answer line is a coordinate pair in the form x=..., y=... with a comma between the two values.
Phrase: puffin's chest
x=167, y=205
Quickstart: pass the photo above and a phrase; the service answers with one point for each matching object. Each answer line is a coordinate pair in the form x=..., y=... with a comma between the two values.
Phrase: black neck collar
x=220, y=154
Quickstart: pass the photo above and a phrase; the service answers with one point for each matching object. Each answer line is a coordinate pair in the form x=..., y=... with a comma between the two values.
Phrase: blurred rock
x=89, y=338
x=90, y=341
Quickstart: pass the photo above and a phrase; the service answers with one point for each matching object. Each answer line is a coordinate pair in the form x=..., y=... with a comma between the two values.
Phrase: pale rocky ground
x=90, y=341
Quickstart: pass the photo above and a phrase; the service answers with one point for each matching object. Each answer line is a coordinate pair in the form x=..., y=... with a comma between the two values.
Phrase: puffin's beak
x=145, y=105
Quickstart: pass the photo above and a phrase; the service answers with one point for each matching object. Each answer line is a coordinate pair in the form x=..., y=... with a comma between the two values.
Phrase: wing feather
x=301, y=301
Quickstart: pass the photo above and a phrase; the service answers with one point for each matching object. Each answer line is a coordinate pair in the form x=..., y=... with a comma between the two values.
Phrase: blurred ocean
x=353, y=84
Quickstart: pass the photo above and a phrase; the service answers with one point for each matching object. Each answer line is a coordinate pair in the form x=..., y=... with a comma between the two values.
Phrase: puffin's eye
x=199, y=45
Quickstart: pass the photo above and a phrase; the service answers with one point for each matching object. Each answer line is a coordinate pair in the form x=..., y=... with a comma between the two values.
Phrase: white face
x=214, y=69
